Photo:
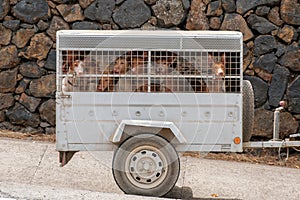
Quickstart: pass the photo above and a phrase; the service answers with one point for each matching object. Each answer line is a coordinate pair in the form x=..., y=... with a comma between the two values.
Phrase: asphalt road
x=30, y=170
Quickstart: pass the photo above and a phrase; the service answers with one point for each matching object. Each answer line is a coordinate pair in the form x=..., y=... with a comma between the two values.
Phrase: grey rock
x=86, y=26
x=296, y=34
x=266, y=62
x=8, y=80
x=264, y=44
x=31, y=70
x=274, y=16
x=2, y=116
x=263, y=74
x=49, y=130
x=5, y=125
x=286, y=33
x=22, y=86
x=56, y=24
x=245, y=49
x=40, y=45
x=21, y=116
x=293, y=90
x=149, y=2
x=71, y=12
x=263, y=120
x=278, y=85
x=42, y=25
x=214, y=8
x=214, y=23
x=85, y=3
x=27, y=26
x=31, y=11
x=100, y=10
x=9, y=57
x=196, y=19
x=47, y=111
x=5, y=35
x=281, y=49
x=169, y=12
x=261, y=24
x=236, y=22
x=132, y=14
x=186, y=4
x=245, y=5
x=290, y=12
x=4, y=8
x=291, y=58
x=6, y=100
x=294, y=105
x=31, y=103
x=229, y=5
x=260, y=89
x=62, y=1
x=44, y=124
x=262, y=10
x=51, y=61
x=22, y=36
x=43, y=87
x=12, y=24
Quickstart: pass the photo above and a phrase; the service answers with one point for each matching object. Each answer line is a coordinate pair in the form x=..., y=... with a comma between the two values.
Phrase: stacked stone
x=28, y=28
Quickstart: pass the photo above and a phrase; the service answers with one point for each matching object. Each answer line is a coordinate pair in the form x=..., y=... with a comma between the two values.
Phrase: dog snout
x=220, y=72
x=116, y=71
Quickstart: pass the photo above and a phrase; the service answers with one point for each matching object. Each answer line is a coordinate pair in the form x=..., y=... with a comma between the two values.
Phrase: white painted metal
x=272, y=144
x=147, y=123
x=200, y=121
x=276, y=123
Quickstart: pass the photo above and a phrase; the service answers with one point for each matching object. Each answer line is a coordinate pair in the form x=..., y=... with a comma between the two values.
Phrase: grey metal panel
x=219, y=44
x=209, y=119
x=80, y=42
x=135, y=40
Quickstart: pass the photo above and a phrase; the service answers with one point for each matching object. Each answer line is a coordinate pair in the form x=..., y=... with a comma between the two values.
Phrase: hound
x=217, y=83
x=68, y=83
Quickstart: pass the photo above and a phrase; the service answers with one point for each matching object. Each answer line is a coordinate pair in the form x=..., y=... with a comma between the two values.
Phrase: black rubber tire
x=139, y=144
x=248, y=110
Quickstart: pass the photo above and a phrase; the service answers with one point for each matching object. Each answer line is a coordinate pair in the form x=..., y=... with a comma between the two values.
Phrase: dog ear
x=223, y=59
x=210, y=58
x=171, y=59
x=145, y=54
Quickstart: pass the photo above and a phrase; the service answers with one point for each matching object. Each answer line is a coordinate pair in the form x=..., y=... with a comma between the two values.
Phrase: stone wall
x=271, y=30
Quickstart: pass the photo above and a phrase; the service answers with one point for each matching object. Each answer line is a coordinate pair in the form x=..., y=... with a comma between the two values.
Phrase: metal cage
x=186, y=81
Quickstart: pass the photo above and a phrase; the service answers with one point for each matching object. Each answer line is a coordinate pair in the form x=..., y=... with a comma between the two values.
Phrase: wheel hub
x=145, y=167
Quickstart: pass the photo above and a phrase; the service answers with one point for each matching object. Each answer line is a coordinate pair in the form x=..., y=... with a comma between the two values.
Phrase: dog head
x=137, y=65
x=120, y=66
x=163, y=65
x=218, y=66
x=76, y=67
x=105, y=83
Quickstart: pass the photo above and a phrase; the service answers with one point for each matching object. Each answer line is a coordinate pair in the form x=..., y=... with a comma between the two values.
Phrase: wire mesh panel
x=150, y=71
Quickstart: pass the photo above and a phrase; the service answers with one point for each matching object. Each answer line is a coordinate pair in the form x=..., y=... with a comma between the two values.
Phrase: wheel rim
x=146, y=167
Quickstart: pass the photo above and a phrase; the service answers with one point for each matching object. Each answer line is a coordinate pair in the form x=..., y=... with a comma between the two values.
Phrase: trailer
x=147, y=95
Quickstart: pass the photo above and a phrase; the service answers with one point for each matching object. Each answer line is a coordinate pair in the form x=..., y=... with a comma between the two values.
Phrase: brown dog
x=164, y=62
x=217, y=83
x=68, y=83
x=121, y=65
x=137, y=63
x=106, y=83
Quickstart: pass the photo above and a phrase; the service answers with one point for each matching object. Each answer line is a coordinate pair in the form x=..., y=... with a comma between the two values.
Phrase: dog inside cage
x=150, y=71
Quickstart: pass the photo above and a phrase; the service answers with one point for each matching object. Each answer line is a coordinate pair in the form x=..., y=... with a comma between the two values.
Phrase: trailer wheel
x=248, y=110
x=146, y=164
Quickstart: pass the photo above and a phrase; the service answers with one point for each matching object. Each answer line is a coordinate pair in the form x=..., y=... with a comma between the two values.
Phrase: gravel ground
x=30, y=170
x=256, y=156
